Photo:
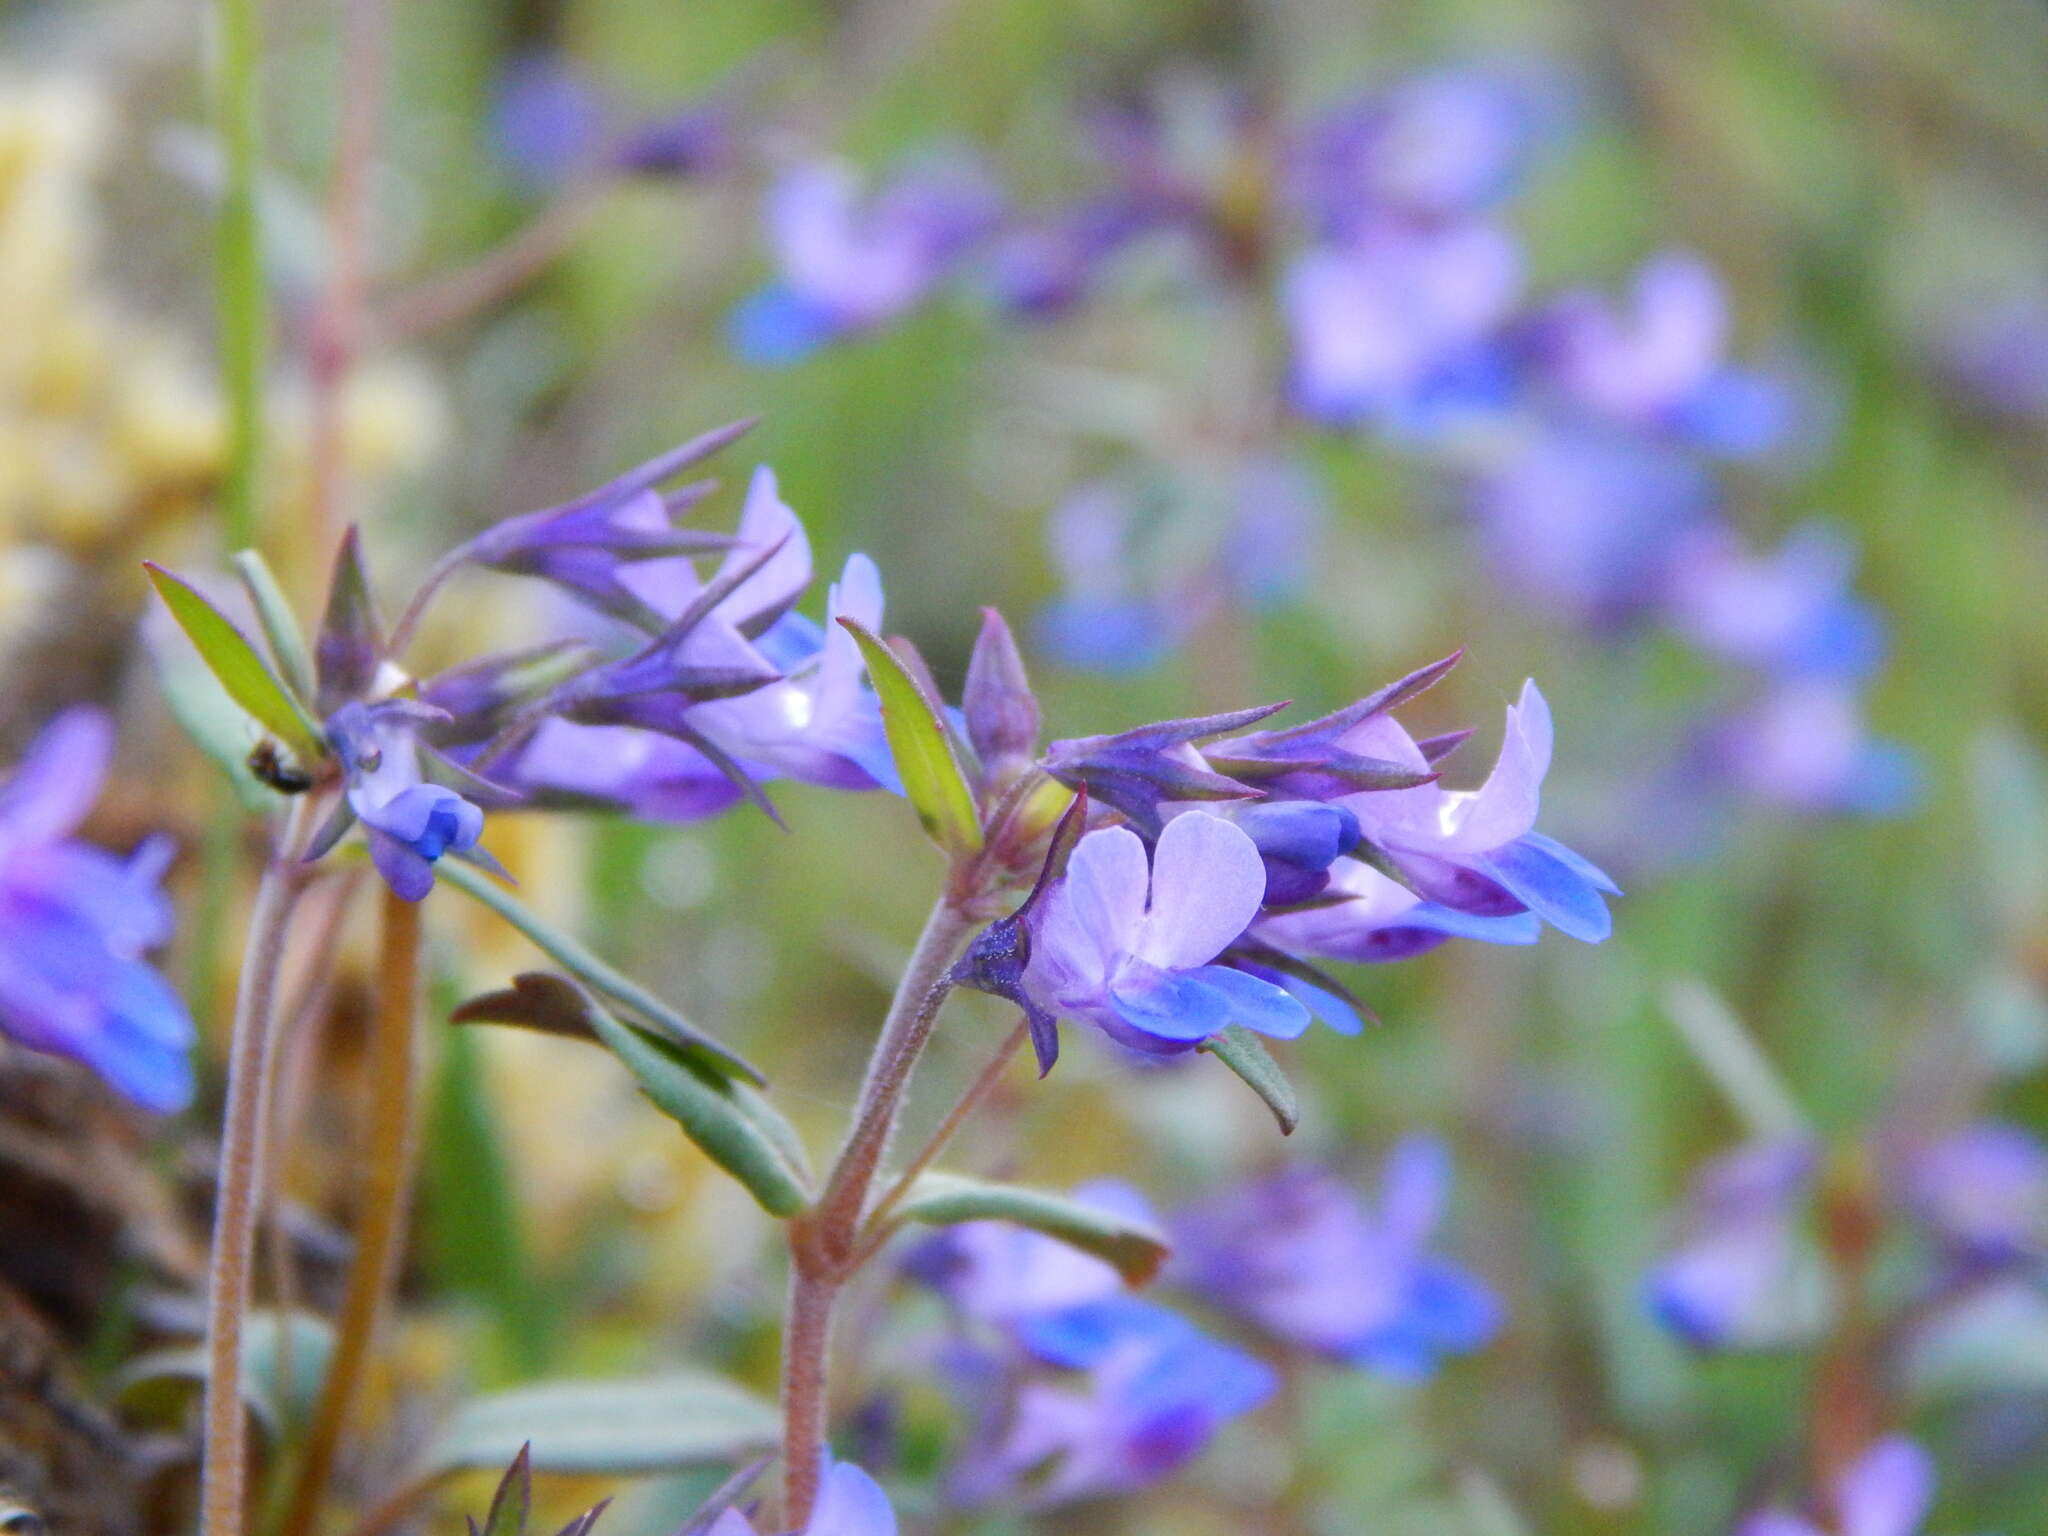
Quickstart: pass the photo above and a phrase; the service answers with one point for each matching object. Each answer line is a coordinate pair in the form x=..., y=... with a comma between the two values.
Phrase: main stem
x=823, y=1243
x=223, y=1476
x=380, y=1228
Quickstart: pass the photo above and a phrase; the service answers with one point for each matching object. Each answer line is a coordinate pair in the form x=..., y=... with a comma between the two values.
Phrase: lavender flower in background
x=1135, y=1391
x=1390, y=326
x=1659, y=364
x=850, y=1503
x=1302, y=1257
x=1886, y=1492
x=78, y=921
x=553, y=123
x=1734, y=1280
x=848, y=262
x=1134, y=584
x=1983, y=1192
x=1995, y=354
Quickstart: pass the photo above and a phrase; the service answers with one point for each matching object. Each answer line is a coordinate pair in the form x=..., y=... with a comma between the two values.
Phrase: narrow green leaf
x=218, y=726
x=946, y=1199
x=608, y=982
x=1243, y=1052
x=733, y=1126
x=280, y=625
x=239, y=665
x=265, y=1376
x=614, y=1428
x=923, y=749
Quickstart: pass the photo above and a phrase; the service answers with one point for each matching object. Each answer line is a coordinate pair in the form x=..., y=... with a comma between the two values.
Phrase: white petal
x=1207, y=885
x=1505, y=806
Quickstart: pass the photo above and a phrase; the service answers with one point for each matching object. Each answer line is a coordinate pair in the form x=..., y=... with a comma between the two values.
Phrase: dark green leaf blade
x=923, y=748
x=1243, y=1052
x=1135, y=1249
x=730, y=1123
x=238, y=664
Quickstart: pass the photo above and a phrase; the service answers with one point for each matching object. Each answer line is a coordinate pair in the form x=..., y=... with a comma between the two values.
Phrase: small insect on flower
x=274, y=770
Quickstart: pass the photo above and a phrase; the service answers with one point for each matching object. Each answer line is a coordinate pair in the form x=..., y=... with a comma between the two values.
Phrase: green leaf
x=238, y=665
x=923, y=749
x=216, y=724
x=733, y=1125
x=476, y=1243
x=1135, y=1249
x=608, y=982
x=622, y=1427
x=277, y=1393
x=280, y=625
x=1242, y=1051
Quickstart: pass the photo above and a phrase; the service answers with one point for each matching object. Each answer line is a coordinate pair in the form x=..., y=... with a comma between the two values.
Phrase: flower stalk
x=380, y=1228
x=824, y=1243
x=238, y=1199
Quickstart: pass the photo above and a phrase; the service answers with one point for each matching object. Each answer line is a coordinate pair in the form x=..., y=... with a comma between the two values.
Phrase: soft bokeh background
x=1865, y=176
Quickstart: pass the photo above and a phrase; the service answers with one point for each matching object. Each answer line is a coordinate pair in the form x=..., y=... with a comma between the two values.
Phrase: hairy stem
x=823, y=1242
x=875, y=1230
x=223, y=1477
x=380, y=1225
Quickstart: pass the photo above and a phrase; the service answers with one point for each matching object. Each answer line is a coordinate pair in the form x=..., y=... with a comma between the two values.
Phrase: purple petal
x=1888, y=1491
x=57, y=779
x=1173, y=1005
x=850, y=1503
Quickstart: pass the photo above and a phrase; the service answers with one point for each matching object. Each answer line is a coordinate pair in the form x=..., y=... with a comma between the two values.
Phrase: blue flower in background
x=1117, y=1392
x=1732, y=1280
x=1886, y=1492
x=77, y=922
x=848, y=261
x=1301, y=1256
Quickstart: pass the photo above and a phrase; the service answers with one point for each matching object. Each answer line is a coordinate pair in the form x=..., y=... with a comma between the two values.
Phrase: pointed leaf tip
x=1133, y=1248
x=1246, y=1055
x=237, y=665
x=933, y=779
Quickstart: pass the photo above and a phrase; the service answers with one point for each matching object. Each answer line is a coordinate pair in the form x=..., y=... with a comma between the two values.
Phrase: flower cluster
x=78, y=921
x=1075, y=1388
x=1239, y=859
x=678, y=693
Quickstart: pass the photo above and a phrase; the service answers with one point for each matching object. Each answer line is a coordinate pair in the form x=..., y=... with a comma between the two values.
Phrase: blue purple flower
x=848, y=262
x=78, y=921
x=1127, y=942
x=1887, y=1491
x=1305, y=1259
x=1733, y=1279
